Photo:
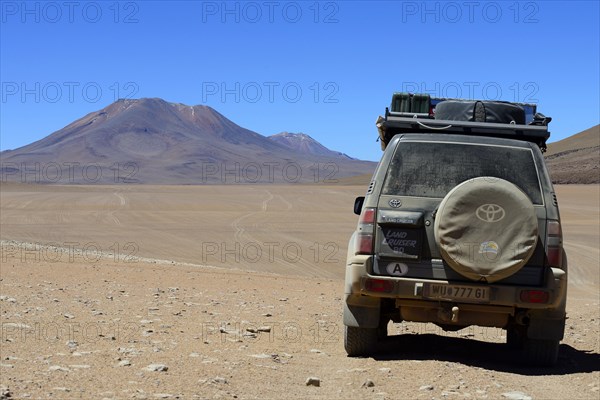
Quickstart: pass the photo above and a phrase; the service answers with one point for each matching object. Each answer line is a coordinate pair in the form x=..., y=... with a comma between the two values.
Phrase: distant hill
x=575, y=159
x=302, y=143
x=357, y=180
x=153, y=141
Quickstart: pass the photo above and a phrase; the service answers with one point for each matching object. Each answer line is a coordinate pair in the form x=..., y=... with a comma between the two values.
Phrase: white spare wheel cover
x=486, y=229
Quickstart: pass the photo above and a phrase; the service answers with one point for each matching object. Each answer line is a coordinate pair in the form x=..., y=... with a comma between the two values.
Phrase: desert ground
x=235, y=291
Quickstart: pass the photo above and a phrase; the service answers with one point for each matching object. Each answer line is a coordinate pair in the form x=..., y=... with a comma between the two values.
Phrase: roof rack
x=415, y=113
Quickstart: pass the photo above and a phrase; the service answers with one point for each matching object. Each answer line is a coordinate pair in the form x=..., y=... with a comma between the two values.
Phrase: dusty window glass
x=426, y=169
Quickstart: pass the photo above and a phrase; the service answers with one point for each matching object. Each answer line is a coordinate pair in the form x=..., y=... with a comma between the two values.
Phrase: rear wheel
x=514, y=337
x=540, y=352
x=360, y=341
x=364, y=341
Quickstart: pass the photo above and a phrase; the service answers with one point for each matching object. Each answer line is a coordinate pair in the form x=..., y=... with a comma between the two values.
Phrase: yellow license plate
x=456, y=292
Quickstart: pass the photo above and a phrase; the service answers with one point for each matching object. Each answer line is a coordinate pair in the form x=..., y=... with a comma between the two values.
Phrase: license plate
x=456, y=292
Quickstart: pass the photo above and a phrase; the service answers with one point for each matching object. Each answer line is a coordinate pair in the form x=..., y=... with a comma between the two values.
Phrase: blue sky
x=327, y=68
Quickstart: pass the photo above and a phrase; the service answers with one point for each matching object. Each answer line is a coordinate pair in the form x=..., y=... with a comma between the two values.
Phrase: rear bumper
x=504, y=299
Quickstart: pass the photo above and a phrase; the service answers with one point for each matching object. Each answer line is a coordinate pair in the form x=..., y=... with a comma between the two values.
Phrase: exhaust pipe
x=522, y=318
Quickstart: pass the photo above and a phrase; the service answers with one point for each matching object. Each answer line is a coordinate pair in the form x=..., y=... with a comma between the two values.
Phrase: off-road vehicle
x=459, y=227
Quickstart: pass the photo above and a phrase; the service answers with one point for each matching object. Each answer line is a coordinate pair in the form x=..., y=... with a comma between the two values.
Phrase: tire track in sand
x=295, y=262
x=123, y=202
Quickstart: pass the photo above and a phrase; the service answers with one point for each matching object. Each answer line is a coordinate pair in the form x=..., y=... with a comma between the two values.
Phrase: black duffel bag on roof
x=480, y=111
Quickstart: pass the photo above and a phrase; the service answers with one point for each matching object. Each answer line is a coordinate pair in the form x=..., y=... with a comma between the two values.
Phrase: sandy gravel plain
x=236, y=292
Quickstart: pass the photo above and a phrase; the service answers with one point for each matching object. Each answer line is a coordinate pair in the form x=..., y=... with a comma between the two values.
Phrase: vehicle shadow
x=476, y=353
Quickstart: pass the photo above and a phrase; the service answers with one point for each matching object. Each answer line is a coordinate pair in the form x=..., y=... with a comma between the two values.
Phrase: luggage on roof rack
x=480, y=111
x=420, y=113
x=409, y=105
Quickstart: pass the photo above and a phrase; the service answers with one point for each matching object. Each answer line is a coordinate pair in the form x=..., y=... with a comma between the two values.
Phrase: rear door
x=420, y=174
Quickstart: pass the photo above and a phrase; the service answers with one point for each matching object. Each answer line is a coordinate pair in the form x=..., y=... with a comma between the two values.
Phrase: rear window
x=425, y=169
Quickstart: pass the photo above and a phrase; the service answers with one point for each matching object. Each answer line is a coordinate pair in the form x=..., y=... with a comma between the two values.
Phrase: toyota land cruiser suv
x=459, y=226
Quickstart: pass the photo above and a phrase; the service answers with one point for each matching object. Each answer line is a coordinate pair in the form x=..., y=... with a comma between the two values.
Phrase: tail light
x=366, y=227
x=535, y=296
x=379, y=285
x=554, y=247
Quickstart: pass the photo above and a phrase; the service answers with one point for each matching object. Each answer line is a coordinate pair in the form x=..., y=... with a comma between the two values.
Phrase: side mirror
x=358, y=204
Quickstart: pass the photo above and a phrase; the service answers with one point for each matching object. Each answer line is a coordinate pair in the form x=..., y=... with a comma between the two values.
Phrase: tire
x=486, y=229
x=360, y=342
x=540, y=352
x=514, y=338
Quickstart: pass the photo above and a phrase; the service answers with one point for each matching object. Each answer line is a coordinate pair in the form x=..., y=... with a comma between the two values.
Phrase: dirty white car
x=459, y=226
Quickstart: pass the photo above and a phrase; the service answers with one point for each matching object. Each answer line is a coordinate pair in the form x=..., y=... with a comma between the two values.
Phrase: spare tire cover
x=486, y=229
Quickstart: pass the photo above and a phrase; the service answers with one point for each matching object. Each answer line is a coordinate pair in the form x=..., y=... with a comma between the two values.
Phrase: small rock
x=426, y=387
x=514, y=395
x=129, y=350
x=58, y=368
x=315, y=351
x=194, y=354
x=5, y=393
x=264, y=329
x=163, y=395
x=219, y=379
x=313, y=381
x=267, y=315
x=385, y=370
x=71, y=344
x=124, y=363
x=284, y=299
x=157, y=368
x=368, y=383
x=263, y=355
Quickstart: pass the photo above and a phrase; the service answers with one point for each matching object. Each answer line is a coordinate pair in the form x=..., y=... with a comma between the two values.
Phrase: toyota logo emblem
x=395, y=203
x=490, y=213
